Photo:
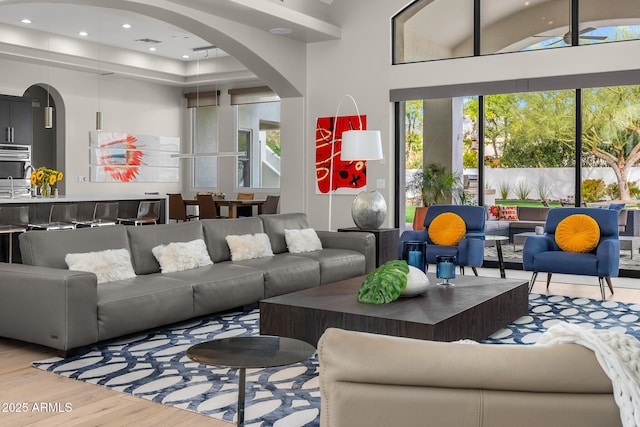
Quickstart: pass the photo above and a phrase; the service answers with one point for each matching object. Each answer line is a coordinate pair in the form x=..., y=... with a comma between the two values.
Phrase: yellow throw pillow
x=578, y=233
x=447, y=229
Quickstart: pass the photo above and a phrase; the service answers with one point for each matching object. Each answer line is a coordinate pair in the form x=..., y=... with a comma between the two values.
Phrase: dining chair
x=207, y=208
x=245, y=210
x=177, y=208
x=148, y=213
x=270, y=205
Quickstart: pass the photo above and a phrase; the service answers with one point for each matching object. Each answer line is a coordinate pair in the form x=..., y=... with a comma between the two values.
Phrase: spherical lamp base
x=369, y=210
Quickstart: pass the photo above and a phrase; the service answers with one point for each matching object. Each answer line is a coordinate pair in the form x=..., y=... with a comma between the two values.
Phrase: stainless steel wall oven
x=15, y=170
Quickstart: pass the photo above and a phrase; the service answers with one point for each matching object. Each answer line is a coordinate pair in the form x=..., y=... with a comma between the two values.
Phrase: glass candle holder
x=415, y=253
x=446, y=269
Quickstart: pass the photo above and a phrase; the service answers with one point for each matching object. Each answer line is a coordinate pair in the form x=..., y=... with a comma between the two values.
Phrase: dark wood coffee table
x=473, y=309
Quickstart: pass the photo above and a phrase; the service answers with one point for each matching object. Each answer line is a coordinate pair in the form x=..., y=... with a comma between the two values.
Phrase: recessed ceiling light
x=26, y=21
x=185, y=56
x=281, y=31
x=126, y=26
x=152, y=49
x=83, y=34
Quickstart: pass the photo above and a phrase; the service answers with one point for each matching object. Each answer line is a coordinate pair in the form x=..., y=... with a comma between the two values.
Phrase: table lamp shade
x=361, y=145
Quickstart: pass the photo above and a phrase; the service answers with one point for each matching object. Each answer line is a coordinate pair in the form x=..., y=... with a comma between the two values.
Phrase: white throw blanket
x=619, y=357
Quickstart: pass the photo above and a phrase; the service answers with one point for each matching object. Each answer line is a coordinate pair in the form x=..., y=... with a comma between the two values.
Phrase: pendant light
x=48, y=110
x=48, y=113
x=99, y=122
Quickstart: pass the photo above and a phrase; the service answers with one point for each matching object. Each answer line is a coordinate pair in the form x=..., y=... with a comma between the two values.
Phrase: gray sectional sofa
x=43, y=302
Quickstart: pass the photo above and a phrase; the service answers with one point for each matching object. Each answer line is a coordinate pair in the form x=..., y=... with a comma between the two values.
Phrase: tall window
x=442, y=29
x=259, y=141
x=205, y=140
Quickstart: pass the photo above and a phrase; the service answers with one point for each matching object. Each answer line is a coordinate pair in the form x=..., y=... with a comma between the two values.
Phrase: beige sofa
x=376, y=380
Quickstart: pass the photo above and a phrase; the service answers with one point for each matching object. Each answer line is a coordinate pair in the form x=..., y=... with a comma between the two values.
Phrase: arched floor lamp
x=357, y=144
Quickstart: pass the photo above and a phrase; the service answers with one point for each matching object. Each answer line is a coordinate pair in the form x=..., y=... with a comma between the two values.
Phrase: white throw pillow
x=108, y=265
x=180, y=256
x=302, y=240
x=249, y=246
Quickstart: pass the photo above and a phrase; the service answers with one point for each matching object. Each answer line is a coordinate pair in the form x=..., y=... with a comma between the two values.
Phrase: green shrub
x=522, y=190
x=544, y=190
x=613, y=190
x=504, y=189
x=593, y=190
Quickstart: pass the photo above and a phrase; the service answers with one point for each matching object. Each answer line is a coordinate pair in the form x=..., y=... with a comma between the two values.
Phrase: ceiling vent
x=151, y=41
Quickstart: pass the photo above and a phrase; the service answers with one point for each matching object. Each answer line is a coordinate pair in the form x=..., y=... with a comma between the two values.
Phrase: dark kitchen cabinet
x=16, y=120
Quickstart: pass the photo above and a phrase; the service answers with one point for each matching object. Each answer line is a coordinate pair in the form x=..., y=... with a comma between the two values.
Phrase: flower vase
x=45, y=190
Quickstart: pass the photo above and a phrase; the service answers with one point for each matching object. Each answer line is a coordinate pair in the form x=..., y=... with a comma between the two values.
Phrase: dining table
x=231, y=204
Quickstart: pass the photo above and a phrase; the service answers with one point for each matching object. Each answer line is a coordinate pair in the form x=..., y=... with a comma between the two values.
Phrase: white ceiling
x=53, y=37
x=104, y=26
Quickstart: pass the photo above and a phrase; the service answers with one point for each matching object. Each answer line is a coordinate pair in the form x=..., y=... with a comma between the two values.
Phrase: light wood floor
x=91, y=405
x=98, y=406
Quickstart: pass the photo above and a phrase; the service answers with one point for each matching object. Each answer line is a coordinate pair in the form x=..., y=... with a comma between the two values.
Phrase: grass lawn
x=408, y=213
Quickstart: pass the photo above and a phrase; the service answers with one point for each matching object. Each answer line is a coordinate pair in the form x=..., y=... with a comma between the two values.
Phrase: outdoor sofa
x=42, y=301
x=529, y=217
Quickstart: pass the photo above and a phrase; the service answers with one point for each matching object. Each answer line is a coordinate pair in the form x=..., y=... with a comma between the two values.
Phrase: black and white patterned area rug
x=154, y=366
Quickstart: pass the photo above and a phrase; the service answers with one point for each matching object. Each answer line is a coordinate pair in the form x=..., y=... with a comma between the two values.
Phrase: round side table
x=499, y=240
x=262, y=351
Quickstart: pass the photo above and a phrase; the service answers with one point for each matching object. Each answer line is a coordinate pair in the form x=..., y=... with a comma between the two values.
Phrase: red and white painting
x=349, y=177
x=125, y=157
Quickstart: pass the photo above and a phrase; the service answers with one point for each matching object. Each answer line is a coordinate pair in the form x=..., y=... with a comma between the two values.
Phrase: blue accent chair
x=470, y=249
x=541, y=253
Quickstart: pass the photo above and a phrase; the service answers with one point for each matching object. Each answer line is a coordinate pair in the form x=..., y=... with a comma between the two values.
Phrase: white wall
x=360, y=64
x=559, y=182
x=320, y=74
x=127, y=106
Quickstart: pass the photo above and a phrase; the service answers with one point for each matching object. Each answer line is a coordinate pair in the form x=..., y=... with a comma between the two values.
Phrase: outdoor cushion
x=493, y=212
x=578, y=233
x=447, y=229
x=508, y=213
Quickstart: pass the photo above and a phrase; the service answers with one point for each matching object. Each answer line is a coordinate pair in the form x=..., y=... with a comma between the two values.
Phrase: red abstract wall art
x=348, y=176
x=125, y=157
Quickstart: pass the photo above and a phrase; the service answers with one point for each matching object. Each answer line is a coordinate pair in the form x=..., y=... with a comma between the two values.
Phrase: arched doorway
x=46, y=151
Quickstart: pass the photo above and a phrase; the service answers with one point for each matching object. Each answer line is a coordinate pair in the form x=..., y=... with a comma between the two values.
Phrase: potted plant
x=435, y=184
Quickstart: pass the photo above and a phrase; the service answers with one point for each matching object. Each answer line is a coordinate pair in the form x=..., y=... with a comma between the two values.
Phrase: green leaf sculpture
x=385, y=283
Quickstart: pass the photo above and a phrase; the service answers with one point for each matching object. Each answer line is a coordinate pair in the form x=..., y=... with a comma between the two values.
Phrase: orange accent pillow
x=508, y=213
x=447, y=229
x=578, y=233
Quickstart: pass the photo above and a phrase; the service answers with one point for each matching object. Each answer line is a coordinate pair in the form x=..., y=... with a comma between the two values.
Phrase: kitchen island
x=39, y=208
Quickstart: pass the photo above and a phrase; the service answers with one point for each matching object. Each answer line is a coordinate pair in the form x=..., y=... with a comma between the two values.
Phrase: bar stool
x=148, y=213
x=61, y=217
x=13, y=219
x=104, y=214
